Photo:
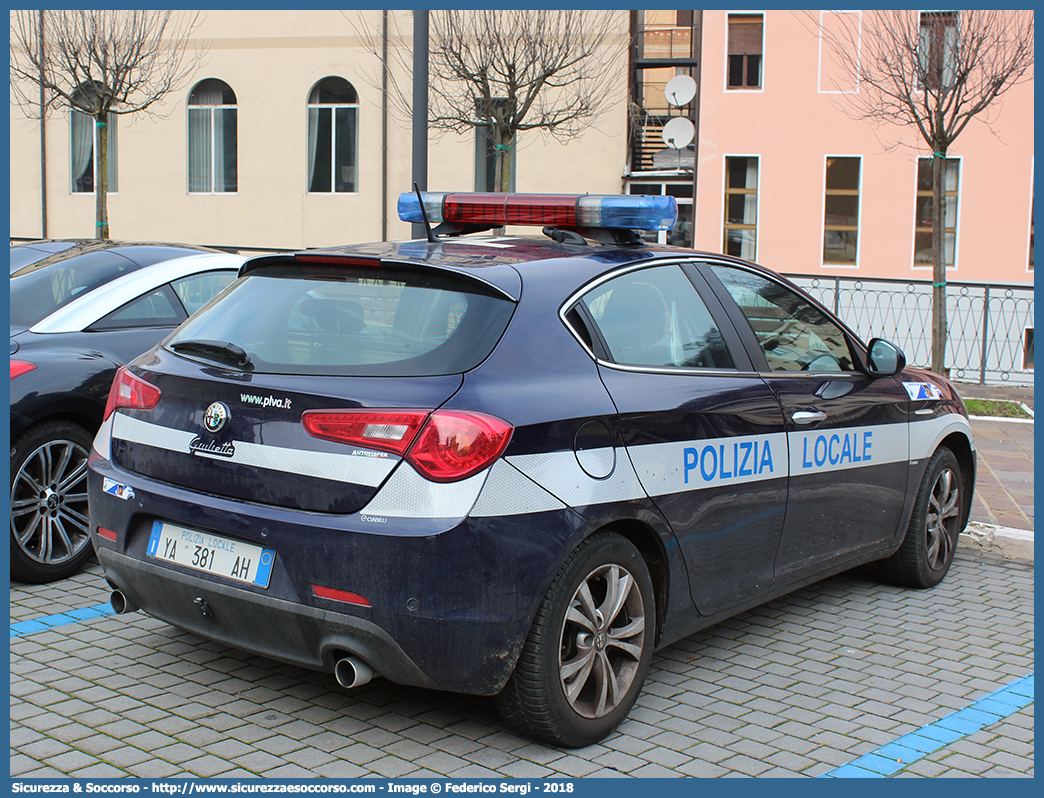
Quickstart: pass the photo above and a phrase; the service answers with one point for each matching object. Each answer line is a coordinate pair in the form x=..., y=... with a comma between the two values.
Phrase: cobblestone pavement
x=798, y=687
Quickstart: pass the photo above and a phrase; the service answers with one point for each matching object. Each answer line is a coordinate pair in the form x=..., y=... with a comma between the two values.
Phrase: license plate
x=212, y=554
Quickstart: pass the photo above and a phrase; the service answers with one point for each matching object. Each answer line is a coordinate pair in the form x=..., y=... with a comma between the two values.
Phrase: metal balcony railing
x=986, y=323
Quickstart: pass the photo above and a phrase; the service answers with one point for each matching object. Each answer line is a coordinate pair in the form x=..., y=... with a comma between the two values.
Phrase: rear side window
x=655, y=317
x=353, y=322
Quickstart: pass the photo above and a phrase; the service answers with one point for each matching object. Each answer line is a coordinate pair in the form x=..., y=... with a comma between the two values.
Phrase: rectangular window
x=924, y=254
x=332, y=149
x=83, y=138
x=841, y=211
x=741, y=207
x=744, y=51
x=212, y=150
x=937, y=49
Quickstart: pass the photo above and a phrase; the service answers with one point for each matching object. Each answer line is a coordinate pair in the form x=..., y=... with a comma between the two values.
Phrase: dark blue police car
x=514, y=466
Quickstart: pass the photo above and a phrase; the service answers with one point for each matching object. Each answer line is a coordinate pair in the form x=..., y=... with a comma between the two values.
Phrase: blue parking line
x=894, y=756
x=61, y=619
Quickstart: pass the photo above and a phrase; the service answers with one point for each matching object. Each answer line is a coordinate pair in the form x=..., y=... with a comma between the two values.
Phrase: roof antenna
x=432, y=238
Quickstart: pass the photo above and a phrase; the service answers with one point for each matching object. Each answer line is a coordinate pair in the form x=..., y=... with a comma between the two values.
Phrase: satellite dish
x=680, y=90
x=678, y=133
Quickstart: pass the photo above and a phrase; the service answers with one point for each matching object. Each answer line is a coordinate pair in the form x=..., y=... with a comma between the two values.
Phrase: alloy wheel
x=49, y=518
x=602, y=641
x=943, y=516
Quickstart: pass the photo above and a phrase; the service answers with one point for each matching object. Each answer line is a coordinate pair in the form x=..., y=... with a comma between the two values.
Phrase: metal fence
x=990, y=326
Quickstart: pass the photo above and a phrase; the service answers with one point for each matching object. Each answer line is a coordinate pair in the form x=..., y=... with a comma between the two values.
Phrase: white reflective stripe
x=822, y=451
x=560, y=474
x=353, y=469
x=926, y=435
x=680, y=466
x=103, y=439
x=409, y=495
x=509, y=492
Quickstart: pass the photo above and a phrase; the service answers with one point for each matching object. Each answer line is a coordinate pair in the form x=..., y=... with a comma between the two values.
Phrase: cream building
x=784, y=175
x=264, y=72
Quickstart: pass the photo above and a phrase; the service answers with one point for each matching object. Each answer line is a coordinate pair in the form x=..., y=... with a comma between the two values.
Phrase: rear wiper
x=221, y=350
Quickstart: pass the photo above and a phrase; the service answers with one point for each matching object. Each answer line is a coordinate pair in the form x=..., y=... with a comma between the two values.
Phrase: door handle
x=804, y=417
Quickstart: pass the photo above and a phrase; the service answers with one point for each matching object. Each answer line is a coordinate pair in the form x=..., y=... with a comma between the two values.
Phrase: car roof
x=499, y=261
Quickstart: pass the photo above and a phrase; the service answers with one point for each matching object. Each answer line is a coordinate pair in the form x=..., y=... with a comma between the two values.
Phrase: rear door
x=703, y=431
x=848, y=434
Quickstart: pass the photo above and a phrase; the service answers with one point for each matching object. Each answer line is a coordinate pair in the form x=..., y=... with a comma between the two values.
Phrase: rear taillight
x=455, y=444
x=130, y=391
x=443, y=446
x=20, y=367
x=385, y=430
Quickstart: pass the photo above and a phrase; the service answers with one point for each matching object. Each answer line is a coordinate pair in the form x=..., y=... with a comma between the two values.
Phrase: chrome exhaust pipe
x=121, y=605
x=351, y=672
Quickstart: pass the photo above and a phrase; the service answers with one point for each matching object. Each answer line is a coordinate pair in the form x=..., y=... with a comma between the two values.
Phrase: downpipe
x=121, y=605
x=352, y=672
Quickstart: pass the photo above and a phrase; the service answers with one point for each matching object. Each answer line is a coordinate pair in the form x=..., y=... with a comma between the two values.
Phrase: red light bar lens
x=501, y=209
x=340, y=595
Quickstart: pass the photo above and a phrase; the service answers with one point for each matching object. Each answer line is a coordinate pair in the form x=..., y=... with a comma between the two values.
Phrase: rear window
x=353, y=322
x=38, y=293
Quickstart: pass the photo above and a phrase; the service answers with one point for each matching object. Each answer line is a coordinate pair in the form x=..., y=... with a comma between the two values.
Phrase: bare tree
x=510, y=71
x=933, y=72
x=99, y=63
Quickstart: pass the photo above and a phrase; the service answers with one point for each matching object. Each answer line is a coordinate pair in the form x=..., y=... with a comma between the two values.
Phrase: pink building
x=786, y=177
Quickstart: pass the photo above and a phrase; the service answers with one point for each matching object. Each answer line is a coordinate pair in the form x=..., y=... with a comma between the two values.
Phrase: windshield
x=349, y=321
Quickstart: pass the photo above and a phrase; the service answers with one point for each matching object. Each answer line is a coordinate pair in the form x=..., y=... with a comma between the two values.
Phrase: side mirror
x=884, y=359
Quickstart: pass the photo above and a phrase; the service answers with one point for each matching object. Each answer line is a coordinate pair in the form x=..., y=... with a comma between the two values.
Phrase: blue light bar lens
x=409, y=208
x=635, y=212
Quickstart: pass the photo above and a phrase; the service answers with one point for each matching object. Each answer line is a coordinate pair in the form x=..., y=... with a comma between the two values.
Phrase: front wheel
x=937, y=519
x=587, y=654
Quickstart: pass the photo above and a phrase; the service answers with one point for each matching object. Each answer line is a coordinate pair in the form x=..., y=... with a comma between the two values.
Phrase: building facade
x=277, y=141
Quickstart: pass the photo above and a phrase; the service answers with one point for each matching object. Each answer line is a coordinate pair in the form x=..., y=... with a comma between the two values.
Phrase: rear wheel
x=587, y=655
x=938, y=518
x=49, y=523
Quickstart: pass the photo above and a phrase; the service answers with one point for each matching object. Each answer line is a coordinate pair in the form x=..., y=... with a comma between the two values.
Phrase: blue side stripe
x=61, y=619
x=894, y=756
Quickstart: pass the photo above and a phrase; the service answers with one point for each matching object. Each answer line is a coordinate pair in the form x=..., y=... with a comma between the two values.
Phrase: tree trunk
x=939, y=266
x=101, y=189
x=502, y=142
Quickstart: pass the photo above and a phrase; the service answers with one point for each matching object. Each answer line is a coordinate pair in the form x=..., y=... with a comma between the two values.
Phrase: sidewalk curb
x=1003, y=540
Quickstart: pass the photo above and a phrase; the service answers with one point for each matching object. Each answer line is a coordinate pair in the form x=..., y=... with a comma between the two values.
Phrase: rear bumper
x=282, y=630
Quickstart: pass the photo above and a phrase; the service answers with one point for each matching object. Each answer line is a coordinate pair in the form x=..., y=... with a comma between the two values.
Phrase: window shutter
x=745, y=35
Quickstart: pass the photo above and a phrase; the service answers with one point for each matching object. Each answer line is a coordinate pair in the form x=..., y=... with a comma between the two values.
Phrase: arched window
x=83, y=138
x=333, y=140
x=212, y=137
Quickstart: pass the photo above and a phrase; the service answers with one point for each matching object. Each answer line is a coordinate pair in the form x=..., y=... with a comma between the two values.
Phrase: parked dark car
x=514, y=466
x=76, y=316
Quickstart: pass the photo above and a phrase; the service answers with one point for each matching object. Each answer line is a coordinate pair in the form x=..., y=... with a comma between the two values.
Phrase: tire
x=558, y=693
x=50, y=537
x=937, y=519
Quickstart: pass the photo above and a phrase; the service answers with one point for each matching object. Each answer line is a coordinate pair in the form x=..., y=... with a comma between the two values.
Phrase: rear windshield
x=352, y=322
x=38, y=293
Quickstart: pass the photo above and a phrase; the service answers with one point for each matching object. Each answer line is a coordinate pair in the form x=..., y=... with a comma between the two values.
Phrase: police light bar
x=621, y=211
